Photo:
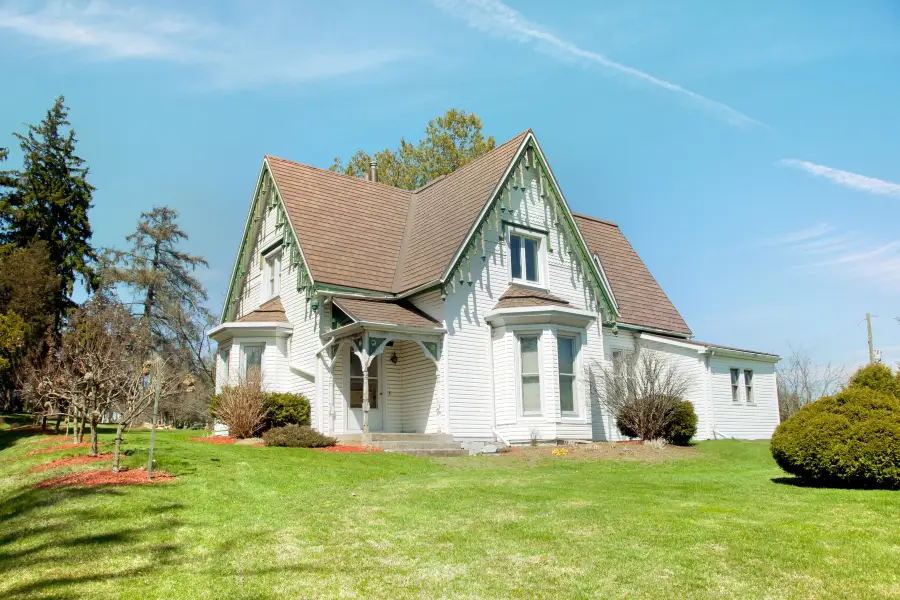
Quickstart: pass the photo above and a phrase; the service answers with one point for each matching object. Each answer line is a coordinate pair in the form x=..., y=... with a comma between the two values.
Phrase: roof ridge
x=593, y=218
x=354, y=178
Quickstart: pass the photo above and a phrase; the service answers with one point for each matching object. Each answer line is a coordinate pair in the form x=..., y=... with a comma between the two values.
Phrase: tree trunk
x=80, y=437
x=119, y=430
x=95, y=419
x=58, y=422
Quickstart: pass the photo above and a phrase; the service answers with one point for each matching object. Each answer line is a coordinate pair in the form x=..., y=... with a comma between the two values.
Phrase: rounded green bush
x=286, y=409
x=877, y=377
x=852, y=438
x=683, y=425
x=625, y=429
x=296, y=436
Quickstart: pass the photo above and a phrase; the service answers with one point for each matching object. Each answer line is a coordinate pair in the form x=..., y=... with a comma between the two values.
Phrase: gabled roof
x=386, y=241
x=399, y=313
x=269, y=312
x=641, y=301
x=518, y=296
x=371, y=236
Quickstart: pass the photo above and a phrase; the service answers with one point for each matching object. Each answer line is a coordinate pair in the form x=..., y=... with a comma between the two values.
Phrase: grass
x=250, y=522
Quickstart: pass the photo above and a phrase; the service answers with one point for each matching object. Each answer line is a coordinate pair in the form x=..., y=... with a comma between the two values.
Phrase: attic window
x=525, y=258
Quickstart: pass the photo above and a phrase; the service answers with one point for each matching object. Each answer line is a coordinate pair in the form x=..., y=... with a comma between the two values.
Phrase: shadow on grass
x=37, y=544
x=802, y=482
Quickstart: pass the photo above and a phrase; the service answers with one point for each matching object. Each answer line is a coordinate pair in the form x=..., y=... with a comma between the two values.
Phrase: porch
x=385, y=376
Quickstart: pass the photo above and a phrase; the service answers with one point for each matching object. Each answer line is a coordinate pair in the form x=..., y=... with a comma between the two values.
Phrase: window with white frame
x=525, y=258
x=748, y=385
x=252, y=363
x=530, y=374
x=735, y=385
x=565, y=358
x=272, y=275
x=222, y=372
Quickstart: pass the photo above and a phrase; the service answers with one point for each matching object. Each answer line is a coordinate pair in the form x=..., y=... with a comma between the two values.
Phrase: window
x=530, y=373
x=748, y=385
x=565, y=358
x=735, y=385
x=222, y=373
x=251, y=367
x=524, y=258
x=287, y=348
x=356, y=383
x=272, y=274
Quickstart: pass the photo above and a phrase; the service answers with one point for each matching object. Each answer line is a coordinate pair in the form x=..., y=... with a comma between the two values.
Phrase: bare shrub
x=801, y=382
x=642, y=390
x=242, y=408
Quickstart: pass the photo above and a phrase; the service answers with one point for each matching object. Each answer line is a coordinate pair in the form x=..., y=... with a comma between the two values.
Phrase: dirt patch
x=224, y=439
x=71, y=461
x=603, y=451
x=52, y=449
x=350, y=449
x=48, y=439
x=97, y=478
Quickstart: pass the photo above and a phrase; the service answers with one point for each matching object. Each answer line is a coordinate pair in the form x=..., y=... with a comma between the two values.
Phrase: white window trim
x=735, y=385
x=748, y=389
x=576, y=362
x=262, y=360
x=273, y=256
x=543, y=277
x=520, y=408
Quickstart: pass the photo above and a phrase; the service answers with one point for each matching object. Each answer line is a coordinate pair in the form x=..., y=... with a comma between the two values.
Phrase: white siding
x=470, y=399
x=742, y=419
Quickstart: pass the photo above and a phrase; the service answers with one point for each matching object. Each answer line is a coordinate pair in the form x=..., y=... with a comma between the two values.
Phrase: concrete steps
x=411, y=444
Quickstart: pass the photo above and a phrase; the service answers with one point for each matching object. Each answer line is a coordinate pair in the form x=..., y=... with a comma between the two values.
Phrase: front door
x=355, y=414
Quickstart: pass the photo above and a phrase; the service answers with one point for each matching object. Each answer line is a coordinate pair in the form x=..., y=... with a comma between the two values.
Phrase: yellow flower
x=560, y=452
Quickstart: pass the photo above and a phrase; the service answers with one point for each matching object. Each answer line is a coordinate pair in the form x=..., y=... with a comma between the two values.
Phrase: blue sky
x=749, y=153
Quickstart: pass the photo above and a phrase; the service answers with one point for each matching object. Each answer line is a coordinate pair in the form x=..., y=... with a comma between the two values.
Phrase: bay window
x=530, y=374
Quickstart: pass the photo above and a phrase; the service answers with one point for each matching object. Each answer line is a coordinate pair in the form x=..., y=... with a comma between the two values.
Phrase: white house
x=478, y=306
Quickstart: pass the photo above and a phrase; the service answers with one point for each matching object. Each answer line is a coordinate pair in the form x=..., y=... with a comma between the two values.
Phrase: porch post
x=364, y=362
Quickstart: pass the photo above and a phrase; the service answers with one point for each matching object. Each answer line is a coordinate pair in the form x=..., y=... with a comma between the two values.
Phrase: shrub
x=242, y=408
x=877, y=377
x=624, y=429
x=852, y=438
x=286, y=409
x=683, y=425
x=297, y=436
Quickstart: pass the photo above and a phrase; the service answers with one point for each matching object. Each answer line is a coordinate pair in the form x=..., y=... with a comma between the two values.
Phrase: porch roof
x=393, y=314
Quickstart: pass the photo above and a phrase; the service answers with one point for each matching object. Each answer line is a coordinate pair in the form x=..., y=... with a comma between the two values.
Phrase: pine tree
x=161, y=281
x=48, y=201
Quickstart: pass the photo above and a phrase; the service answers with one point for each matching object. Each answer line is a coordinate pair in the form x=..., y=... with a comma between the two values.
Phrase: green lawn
x=251, y=522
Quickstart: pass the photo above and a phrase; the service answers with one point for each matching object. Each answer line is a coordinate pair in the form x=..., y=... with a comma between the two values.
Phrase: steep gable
x=640, y=299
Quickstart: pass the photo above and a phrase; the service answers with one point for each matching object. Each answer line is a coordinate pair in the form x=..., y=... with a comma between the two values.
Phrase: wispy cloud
x=496, y=18
x=232, y=56
x=849, y=254
x=846, y=178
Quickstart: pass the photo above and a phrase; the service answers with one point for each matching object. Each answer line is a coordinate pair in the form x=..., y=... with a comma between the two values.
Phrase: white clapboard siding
x=420, y=384
x=741, y=419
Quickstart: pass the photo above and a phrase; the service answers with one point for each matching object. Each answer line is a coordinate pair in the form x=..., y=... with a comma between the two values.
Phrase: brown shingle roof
x=350, y=230
x=271, y=311
x=442, y=214
x=384, y=312
x=641, y=301
x=517, y=296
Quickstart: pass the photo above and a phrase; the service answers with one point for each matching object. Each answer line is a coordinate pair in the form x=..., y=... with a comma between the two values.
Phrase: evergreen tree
x=48, y=201
x=161, y=280
x=450, y=141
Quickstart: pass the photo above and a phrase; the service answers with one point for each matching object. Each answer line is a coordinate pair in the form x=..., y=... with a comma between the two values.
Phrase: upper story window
x=272, y=275
x=748, y=385
x=525, y=258
x=735, y=385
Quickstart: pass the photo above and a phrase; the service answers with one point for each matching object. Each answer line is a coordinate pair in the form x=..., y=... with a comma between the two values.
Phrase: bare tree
x=801, y=382
x=642, y=389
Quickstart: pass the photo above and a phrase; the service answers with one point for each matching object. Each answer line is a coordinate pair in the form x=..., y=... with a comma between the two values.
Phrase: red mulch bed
x=215, y=439
x=350, y=449
x=52, y=438
x=72, y=460
x=95, y=478
x=52, y=449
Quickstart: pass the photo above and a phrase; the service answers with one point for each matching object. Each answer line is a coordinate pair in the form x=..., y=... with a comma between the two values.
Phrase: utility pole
x=871, y=345
x=156, y=393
